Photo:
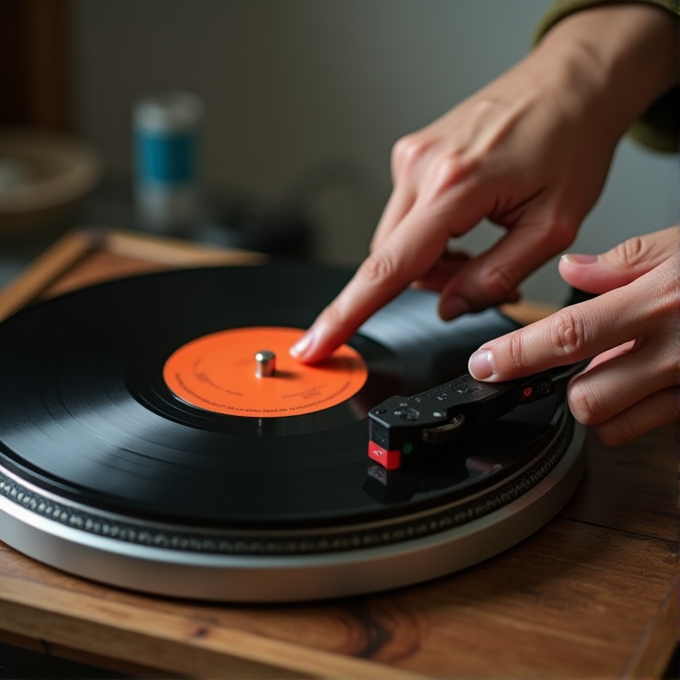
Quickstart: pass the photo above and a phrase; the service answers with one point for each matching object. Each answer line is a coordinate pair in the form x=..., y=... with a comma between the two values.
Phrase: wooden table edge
x=652, y=655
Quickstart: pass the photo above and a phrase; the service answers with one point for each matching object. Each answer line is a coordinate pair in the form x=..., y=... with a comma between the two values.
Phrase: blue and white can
x=166, y=140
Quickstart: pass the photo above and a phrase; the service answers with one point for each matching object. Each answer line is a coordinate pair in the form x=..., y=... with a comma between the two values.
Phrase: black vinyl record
x=87, y=415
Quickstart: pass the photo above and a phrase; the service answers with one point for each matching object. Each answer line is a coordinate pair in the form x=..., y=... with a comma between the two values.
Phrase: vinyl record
x=132, y=411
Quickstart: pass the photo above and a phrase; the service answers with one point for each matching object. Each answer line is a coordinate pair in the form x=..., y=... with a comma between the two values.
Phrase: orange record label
x=233, y=372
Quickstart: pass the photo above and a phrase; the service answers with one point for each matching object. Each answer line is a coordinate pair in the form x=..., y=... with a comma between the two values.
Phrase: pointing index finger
x=380, y=278
x=408, y=252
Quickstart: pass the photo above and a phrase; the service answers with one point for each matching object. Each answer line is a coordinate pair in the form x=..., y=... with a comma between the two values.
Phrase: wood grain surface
x=592, y=594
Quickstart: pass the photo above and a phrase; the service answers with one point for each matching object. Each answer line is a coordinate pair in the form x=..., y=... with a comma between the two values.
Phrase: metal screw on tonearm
x=400, y=428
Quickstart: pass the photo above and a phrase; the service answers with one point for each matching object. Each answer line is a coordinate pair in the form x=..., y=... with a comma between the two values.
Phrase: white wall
x=293, y=85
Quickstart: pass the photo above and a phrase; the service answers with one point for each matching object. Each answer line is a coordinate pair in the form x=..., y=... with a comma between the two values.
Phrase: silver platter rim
x=260, y=578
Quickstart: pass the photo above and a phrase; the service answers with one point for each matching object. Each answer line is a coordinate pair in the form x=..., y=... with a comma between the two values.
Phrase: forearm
x=619, y=58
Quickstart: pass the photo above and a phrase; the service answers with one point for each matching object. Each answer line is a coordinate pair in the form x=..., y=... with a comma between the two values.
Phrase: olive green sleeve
x=659, y=127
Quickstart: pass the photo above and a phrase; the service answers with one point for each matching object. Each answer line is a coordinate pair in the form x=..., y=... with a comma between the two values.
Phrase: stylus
x=401, y=427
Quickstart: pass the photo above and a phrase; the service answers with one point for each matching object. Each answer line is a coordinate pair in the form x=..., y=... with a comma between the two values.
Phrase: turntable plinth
x=594, y=593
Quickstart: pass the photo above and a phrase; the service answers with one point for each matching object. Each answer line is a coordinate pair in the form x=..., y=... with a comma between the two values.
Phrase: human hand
x=530, y=152
x=632, y=330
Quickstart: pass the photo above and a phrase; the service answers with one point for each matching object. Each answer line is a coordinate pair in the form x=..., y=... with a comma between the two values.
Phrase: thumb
x=620, y=265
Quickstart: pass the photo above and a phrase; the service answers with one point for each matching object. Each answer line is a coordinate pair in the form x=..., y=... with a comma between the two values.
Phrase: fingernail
x=580, y=259
x=303, y=345
x=481, y=365
x=452, y=307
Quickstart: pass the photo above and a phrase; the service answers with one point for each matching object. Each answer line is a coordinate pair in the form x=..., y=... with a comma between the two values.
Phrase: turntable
x=561, y=585
x=157, y=436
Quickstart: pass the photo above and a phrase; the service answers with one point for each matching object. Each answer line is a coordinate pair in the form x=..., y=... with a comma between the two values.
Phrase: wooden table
x=593, y=594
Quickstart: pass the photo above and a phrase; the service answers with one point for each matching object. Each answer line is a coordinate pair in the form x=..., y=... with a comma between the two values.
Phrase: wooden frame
x=119, y=253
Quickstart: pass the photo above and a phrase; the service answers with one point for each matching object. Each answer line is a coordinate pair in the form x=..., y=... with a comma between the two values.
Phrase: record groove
x=324, y=541
x=92, y=419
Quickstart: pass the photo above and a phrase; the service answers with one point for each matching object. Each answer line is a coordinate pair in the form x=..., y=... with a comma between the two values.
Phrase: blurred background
x=303, y=100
